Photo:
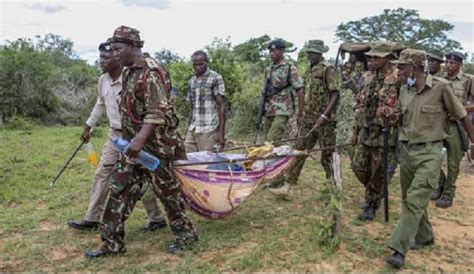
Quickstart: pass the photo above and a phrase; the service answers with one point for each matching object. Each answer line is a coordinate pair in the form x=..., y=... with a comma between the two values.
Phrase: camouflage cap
x=455, y=55
x=434, y=56
x=412, y=57
x=380, y=49
x=124, y=34
x=317, y=46
x=276, y=44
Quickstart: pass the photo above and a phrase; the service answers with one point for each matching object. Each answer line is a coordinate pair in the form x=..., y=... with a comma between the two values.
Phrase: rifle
x=67, y=163
x=385, y=169
x=261, y=109
x=463, y=134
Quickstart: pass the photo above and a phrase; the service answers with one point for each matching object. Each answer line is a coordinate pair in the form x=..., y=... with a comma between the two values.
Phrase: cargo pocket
x=430, y=114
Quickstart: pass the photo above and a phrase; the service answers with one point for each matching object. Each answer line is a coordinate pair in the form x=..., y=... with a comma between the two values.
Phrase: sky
x=185, y=26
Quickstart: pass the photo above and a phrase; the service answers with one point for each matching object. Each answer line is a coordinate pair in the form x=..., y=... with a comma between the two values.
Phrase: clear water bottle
x=144, y=158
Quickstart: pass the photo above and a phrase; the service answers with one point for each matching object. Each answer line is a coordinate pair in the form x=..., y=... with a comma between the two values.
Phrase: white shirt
x=108, y=101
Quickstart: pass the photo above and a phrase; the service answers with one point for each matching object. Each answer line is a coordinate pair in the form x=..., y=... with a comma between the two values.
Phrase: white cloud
x=46, y=7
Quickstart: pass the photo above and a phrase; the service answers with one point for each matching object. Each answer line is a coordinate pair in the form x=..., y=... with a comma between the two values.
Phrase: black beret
x=455, y=55
x=276, y=44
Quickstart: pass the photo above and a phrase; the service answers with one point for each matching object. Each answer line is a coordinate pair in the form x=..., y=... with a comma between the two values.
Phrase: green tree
x=25, y=81
x=167, y=57
x=401, y=25
x=43, y=79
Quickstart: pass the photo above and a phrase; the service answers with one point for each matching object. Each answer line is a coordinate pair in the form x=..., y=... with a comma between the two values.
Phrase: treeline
x=43, y=78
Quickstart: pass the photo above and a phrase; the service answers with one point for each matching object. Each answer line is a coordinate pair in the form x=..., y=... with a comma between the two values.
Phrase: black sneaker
x=83, y=225
x=444, y=202
x=154, y=226
x=397, y=260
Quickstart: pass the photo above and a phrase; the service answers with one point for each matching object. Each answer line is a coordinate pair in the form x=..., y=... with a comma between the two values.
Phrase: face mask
x=411, y=81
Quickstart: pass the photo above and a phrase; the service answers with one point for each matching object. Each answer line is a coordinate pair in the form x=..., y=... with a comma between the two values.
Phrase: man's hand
x=86, y=134
x=319, y=122
x=134, y=148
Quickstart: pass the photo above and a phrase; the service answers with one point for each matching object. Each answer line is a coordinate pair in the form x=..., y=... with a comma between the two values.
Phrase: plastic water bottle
x=144, y=158
x=91, y=155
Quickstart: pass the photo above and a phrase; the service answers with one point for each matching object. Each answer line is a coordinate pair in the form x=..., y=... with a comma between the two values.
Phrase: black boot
x=153, y=226
x=444, y=202
x=101, y=252
x=397, y=259
x=368, y=213
x=83, y=225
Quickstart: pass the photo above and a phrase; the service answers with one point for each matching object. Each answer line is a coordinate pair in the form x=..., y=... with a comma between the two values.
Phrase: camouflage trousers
x=127, y=185
x=367, y=165
x=326, y=135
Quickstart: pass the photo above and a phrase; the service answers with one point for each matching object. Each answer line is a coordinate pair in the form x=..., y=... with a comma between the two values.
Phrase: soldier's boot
x=397, y=259
x=180, y=246
x=154, y=226
x=83, y=225
x=271, y=184
x=368, y=213
x=102, y=251
x=436, y=194
x=444, y=202
x=283, y=192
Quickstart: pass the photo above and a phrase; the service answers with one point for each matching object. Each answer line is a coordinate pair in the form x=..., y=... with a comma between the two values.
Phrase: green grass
x=264, y=234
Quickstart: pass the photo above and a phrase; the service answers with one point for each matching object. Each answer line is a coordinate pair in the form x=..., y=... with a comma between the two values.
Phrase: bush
x=20, y=123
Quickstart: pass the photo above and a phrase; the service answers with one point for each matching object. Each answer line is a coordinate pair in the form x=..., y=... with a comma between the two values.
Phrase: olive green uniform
x=462, y=85
x=421, y=135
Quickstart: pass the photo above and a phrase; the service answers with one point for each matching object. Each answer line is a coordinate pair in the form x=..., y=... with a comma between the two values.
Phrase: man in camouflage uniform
x=109, y=88
x=424, y=103
x=434, y=64
x=463, y=89
x=376, y=102
x=322, y=92
x=352, y=70
x=148, y=123
x=282, y=81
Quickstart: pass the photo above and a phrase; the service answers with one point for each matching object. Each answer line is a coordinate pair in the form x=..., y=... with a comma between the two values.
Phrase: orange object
x=91, y=155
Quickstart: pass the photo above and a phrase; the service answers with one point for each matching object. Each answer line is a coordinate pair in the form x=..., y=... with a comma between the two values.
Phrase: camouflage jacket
x=281, y=75
x=380, y=92
x=320, y=80
x=145, y=100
